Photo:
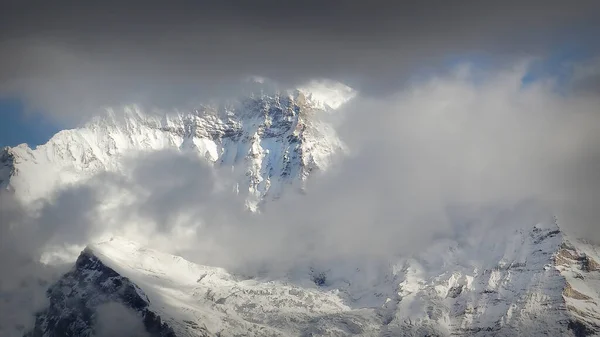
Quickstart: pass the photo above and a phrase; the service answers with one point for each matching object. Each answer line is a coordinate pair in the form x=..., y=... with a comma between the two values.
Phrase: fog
x=436, y=150
x=463, y=145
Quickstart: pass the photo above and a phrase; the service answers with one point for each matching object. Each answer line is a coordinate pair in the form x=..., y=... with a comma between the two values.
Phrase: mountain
x=269, y=137
x=530, y=283
x=520, y=279
x=177, y=297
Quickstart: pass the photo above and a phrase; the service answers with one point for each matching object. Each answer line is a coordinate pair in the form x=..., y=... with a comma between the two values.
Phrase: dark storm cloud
x=71, y=58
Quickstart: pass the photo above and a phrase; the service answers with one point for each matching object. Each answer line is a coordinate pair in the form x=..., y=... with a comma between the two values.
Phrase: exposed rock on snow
x=513, y=280
x=528, y=283
x=272, y=140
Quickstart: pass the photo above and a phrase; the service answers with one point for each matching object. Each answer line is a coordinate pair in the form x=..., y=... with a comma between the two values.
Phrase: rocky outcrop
x=572, y=293
x=524, y=283
x=75, y=298
x=272, y=140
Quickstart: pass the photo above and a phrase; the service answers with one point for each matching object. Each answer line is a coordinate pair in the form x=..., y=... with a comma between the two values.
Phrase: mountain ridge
x=533, y=289
x=269, y=135
x=501, y=281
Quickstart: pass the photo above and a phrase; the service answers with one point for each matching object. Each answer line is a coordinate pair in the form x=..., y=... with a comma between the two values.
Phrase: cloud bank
x=456, y=153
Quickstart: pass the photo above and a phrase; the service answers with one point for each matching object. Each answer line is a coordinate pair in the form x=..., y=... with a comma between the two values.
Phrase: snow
x=517, y=279
x=506, y=290
x=182, y=291
x=266, y=136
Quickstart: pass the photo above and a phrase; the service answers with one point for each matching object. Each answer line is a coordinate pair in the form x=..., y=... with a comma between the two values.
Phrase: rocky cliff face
x=505, y=285
x=75, y=298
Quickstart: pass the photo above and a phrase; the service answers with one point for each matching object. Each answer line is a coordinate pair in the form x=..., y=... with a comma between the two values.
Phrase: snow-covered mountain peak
x=276, y=139
x=535, y=282
x=518, y=279
x=174, y=297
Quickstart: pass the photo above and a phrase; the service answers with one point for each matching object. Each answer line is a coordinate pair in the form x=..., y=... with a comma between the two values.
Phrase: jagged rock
x=75, y=298
x=572, y=293
x=588, y=264
x=273, y=137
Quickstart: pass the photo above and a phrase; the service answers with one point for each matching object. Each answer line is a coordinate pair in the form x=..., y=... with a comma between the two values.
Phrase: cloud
x=586, y=77
x=441, y=150
x=447, y=158
x=492, y=141
x=115, y=320
x=458, y=152
x=24, y=281
x=68, y=59
x=431, y=158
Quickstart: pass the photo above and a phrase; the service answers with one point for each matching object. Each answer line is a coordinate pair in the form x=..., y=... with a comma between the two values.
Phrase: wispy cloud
x=421, y=162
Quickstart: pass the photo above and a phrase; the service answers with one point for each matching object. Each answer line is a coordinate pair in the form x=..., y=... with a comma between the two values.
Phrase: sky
x=68, y=61
x=20, y=127
x=466, y=110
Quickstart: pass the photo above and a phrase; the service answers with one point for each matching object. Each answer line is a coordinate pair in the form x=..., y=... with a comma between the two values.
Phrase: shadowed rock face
x=7, y=167
x=75, y=298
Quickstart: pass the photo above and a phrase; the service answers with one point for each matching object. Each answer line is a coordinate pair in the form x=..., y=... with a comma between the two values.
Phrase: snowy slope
x=533, y=282
x=193, y=300
x=272, y=138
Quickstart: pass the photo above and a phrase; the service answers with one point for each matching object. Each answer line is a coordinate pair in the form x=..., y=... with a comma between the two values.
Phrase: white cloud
x=422, y=161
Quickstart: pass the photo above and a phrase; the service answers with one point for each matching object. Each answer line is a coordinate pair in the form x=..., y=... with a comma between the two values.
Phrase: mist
x=113, y=319
x=463, y=151
x=467, y=151
x=446, y=139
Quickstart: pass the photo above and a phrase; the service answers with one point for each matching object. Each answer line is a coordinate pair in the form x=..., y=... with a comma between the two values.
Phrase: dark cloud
x=71, y=58
x=585, y=77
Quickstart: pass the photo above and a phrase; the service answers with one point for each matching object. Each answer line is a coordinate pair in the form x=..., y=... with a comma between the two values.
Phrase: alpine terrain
x=528, y=279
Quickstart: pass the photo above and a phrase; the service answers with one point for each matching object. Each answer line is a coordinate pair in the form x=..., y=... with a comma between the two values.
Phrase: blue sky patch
x=17, y=127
